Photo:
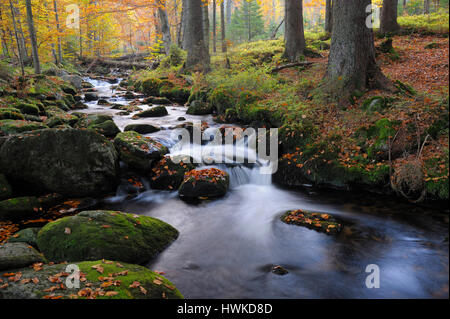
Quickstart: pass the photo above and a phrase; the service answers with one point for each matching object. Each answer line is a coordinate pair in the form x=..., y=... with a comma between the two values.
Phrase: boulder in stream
x=20, y=208
x=168, y=174
x=27, y=236
x=204, y=184
x=90, y=96
x=70, y=162
x=101, y=279
x=157, y=111
x=142, y=128
x=94, y=235
x=137, y=151
x=320, y=222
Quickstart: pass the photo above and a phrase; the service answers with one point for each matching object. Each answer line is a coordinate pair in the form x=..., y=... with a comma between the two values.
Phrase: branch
x=290, y=65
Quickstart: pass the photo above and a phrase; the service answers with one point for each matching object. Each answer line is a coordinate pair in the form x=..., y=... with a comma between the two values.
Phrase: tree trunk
x=183, y=24
x=17, y=37
x=205, y=24
x=294, y=34
x=388, y=18
x=228, y=10
x=426, y=6
x=222, y=26
x=214, y=26
x=22, y=43
x=328, y=16
x=164, y=27
x=55, y=7
x=32, y=31
x=351, y=63
x=198, y=56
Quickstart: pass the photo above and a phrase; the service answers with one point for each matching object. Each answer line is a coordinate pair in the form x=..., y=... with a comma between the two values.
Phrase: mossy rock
x=199, y=108
x=11, y=127
x=176, y=94
x=5, y=188
x=18, y=255
x=320, y=222
x=157, y=101
x=27, y=108
x=11, y=114
x=90, y=120
x=151, y=87
x=20, y=208
x=142, y=128
x=94, y=235
x=204, y=184
x=58, y=117
x=127, y=108
x=107, y=128
x=116, y=281
x=168, y=174
x=405, y=88
x=70, y=162
x=91, y=96
x=137, y=151
x=27, y=236
x=68, y=89
x=157, y=111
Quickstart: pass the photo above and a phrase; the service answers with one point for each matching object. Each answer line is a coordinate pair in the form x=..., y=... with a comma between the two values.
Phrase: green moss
x=105, y=234
x=11, y=127
x=199, y=108
x=151, y=86
x=27, y=108
x=10, y=114
x=176, y=94
x=221, y=99
x=19, y=208
x=376, y=104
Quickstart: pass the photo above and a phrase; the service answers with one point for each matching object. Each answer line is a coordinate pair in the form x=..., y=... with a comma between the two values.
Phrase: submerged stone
x=320, y=222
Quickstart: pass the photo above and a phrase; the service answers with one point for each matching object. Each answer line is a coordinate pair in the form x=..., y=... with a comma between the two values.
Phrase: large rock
x=137, y=151
x=320, y=222
x=70, y=162
x=100, y=279
x=11, y=127
x=21, y=208
x=5, y=188
x=90, y=96
x=18, y=255
x=94, y=235
x=75, y=80
x=207, y=183
x=157, y=111
x=102, y=124
x=142, y=128
x=26, y=236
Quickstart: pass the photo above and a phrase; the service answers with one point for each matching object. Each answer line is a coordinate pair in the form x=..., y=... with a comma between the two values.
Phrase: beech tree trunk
x=16, y=34
x=222, y=27
x=32, y=31
x=229, y=9
x=328, y=16
x=426, y=6
x=55, y=7
x=198, y=56
x=388, y=18
x=351, y=63
x=164, y=27
x=214, y=22
x=294, y=33
x=205, y=25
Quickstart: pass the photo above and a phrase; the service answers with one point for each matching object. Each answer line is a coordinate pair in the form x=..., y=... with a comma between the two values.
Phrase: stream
x=227, y=247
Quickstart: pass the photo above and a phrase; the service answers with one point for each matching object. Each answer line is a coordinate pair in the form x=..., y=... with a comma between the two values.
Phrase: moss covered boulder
x=27, y=236
x=151, y=86
x=11, y=127
x=142, y=128
x=27, y=108
x=77, y=163
x=320, y=222
x=168, y=174
x=5, y=188
x=56, y=117
x=94, y=235
x=21, y=208
x=10, y=113
x=204, y=184
x=175, y=94
x=18, y=255
x=107, y=128
x=137, y=151
x=157, y=111
x=100, y=279
x=200, y=108
x=157, y=101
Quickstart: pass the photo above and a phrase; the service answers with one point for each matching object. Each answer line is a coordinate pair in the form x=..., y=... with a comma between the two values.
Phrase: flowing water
x=227, y=247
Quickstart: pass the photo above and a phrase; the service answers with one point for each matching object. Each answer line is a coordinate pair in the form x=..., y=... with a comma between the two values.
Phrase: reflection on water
x=227, y=247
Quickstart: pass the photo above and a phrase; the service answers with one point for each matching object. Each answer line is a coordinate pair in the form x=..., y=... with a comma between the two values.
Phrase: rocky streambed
x=214, y=230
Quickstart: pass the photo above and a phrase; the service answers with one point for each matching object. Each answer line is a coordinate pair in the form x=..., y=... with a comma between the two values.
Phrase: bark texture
x=329, y=16
x=32, y=31
x=198, y=56
x=388, y=19
x=351, y=63
x=294, y=33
